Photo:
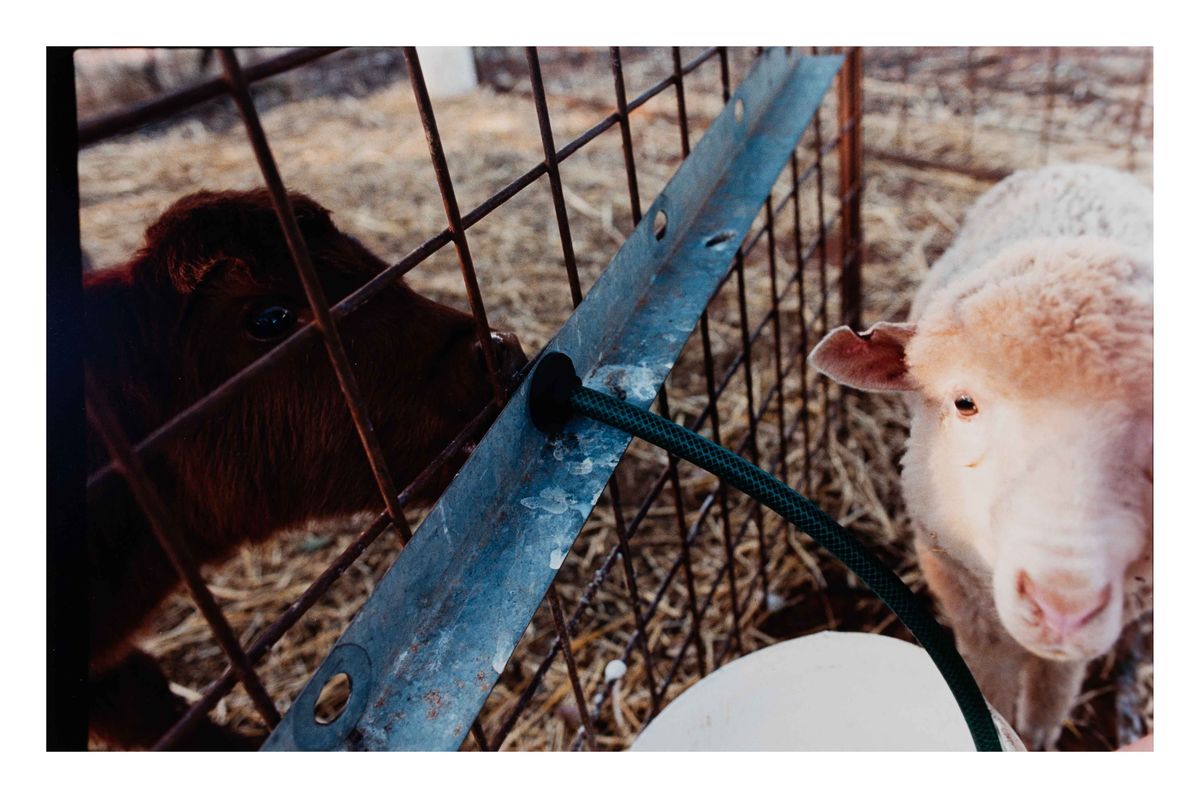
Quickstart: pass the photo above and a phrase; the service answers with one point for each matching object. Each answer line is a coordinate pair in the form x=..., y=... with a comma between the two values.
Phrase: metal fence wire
x=982, y=112
x=785, y=423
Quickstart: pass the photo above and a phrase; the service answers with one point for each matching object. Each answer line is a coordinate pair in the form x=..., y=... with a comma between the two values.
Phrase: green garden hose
x=556, y=391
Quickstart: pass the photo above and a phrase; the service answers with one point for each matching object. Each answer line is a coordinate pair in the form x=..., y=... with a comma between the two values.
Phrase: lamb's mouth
x=1061, y=649
x=1056, y=653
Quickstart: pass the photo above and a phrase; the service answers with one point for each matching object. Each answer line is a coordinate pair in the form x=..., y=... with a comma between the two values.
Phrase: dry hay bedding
x=367, y=160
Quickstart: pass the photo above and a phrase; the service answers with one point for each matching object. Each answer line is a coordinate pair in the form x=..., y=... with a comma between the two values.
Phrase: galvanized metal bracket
x=426, y=649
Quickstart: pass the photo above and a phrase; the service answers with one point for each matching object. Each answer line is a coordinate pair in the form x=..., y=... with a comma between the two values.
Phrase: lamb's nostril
x=1024, y=591
x=1063, y=611
x=1023, y=583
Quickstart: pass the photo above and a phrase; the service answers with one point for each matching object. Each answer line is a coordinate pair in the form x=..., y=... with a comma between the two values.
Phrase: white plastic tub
x=832, y=691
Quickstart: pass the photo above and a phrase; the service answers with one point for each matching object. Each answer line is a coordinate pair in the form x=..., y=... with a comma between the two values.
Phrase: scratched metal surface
x=427, y=647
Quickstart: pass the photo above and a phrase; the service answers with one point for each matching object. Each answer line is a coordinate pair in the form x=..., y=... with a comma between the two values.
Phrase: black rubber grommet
x=550, y=388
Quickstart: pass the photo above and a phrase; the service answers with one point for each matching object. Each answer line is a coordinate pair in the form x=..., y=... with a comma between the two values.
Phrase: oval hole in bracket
x=309, y=732
x=739, y=110
x=660, y=225
x=333, y=698
x=719, y=240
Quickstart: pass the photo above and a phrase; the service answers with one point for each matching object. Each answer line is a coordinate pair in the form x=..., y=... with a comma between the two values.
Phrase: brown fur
x=169, y=326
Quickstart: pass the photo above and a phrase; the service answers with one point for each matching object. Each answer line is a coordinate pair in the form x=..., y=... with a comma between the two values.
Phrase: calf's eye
x=965, y=406
x=270, y=321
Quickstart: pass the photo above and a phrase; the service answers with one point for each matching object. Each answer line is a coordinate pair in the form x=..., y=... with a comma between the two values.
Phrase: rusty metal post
x=556, y=189
x=441, y=169
x=850, y=184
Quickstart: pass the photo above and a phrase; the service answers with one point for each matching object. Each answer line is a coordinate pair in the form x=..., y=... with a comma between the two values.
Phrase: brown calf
x=212, y=289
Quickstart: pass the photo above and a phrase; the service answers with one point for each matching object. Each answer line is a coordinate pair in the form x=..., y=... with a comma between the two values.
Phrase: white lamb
x=1028, y=366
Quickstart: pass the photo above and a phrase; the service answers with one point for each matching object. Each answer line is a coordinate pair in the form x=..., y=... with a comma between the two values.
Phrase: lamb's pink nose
x=1062, y=602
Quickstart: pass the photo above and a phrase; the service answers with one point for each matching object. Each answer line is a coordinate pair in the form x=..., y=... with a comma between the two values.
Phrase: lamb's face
x=1030, y=450
x=1036, y=382
x=1053, y=496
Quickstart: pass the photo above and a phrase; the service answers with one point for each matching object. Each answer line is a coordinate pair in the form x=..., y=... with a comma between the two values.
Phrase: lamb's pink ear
x=870, y=361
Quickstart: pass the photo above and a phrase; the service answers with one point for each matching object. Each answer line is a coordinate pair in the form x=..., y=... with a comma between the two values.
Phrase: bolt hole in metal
x=333, y=700
x=660, y=225
x=719, y=240
x=739, y=110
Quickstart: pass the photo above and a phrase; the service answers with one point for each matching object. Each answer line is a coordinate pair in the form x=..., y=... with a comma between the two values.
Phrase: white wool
x=1040, y=490
x=1068, y=200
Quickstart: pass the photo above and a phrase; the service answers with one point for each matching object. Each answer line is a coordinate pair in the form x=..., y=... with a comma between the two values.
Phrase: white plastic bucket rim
x=831, y=691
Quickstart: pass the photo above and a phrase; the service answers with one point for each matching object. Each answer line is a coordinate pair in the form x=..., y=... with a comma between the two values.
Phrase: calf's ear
x=234, y=230
x=870, y=361
x=194, y=237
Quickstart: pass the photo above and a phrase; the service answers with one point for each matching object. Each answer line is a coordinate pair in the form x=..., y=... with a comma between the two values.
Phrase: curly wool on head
x=1045, y=317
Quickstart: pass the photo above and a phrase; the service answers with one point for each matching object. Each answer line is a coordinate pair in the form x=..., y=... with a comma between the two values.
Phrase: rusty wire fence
x=805, y=253
x=984, y=112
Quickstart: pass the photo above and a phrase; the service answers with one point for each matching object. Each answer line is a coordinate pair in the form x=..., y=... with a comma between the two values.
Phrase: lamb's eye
x=270, y=321
x=965, y=406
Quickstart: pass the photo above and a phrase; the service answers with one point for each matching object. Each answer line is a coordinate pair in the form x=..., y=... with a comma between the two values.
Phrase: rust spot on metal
x=434, y=699
x=613, y=383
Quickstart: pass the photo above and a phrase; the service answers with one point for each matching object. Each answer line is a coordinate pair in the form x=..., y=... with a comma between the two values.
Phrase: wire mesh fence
x=672, y=575
x=987, y=111
x=761, y=340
